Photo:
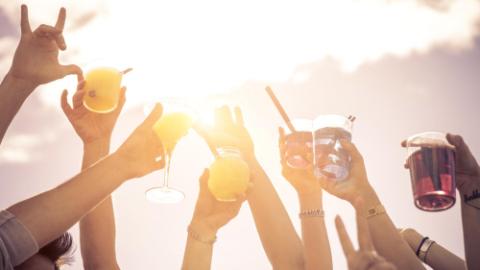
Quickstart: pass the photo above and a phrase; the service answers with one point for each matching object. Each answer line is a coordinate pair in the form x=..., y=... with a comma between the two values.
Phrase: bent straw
x=280, y=109
x=126, y=71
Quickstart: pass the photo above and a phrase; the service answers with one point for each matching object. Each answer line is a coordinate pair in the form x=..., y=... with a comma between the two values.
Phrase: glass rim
x=433, y=139
x=334, y=121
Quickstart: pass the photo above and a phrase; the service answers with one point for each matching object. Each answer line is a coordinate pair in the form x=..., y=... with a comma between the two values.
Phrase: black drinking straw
x=126, y=71
x=280, y=108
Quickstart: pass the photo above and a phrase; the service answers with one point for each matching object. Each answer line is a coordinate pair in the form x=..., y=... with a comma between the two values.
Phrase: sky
x=401, y=67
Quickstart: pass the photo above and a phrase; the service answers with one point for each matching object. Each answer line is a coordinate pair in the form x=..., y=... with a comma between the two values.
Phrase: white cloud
x=192, y=48
x=19, y=148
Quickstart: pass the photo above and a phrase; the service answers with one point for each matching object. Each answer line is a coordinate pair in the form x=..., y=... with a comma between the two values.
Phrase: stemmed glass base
x=164, y=195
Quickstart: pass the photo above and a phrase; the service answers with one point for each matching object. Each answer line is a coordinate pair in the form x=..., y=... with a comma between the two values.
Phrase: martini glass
x=170, y=128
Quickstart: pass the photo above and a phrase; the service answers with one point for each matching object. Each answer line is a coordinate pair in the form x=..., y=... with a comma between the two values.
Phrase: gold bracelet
x=312, y=213
x=375, y=211
x=194, y=235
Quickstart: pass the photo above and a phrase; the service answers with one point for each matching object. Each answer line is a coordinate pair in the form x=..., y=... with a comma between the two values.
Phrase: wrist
x=312, y=200
x=19, y=86
x=369, y=197
x=124, y=172
x=203, y=229
x=101, y=144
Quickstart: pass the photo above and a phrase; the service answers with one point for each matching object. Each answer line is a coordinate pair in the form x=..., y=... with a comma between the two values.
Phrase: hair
x=59, y=251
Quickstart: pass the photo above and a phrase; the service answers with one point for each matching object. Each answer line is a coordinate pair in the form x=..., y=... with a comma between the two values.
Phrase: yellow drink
x=171, y=127
x=229, y=175
x=102, y=87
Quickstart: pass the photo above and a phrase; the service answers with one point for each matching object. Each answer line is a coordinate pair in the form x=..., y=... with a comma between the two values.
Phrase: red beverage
x=432, y=172
x=298, y=149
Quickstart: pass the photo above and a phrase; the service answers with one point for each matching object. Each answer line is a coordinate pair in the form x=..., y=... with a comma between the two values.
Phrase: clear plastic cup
x=431, y=161
x=331, y=160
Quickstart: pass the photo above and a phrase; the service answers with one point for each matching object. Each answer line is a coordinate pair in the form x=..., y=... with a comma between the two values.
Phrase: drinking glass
x=331, y=160
x=299, y=145
x=229, y=175
x=431, y=161
x=174, y=124
x=102, y=85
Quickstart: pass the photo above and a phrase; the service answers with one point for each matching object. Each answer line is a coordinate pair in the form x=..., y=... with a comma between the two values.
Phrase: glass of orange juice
x=174, y=124
x=102, y=86
x=229, y=175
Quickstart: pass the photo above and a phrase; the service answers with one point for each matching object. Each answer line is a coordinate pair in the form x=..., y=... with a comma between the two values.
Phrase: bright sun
x=197, y=48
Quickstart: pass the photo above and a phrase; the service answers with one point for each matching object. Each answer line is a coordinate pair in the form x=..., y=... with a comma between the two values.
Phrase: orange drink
x=229, y=175
x=102, y=87
x=170, y=128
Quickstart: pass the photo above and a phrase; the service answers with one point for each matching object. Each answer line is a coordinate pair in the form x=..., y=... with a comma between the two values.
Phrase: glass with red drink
x=431, y=161
x=298, y=145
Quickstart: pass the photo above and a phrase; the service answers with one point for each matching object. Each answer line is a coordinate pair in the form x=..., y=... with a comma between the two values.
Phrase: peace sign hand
x=36, y=59
x=366, y=257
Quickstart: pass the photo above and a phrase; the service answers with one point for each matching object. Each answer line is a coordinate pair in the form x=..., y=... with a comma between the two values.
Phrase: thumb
x=352, y=150
x=203, y=181
x=154, y=115
x=67, y=109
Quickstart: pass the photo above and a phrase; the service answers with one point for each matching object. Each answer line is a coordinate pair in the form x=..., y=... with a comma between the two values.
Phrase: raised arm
x=279, y=239
x=366, y=257
x=436, y=256
x=97, y=229
x=387, y=240
x=209, y=216
x=468, y=184
x=316, y=247
x=35, y=62
x=51, y=213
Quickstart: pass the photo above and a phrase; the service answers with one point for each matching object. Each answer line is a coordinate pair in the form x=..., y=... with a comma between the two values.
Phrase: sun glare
x=195, y=49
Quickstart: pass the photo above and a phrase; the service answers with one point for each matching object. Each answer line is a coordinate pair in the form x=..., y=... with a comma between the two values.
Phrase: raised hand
x=227, y=132
x=211, y=214
x=365, y=257
x=467, y=171
x=142, y=152
x=90, y=126
x=36, y=58
x=303, y=180
x=356, y=185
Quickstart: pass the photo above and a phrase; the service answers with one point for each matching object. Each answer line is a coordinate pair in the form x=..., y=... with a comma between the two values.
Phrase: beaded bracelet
x=194, y=235
x=312, y=213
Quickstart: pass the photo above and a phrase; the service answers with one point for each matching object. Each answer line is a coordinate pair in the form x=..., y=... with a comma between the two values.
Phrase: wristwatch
x=426, y=245
x=473, y=199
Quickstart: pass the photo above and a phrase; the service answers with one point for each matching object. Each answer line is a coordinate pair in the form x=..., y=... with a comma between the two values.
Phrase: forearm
x=437, y=256
x=314, y=235
x=279, y=239
x=12, y=95
x=471, y=235
x=199, y=248
x=97, y=228
x=51, y=213
x=198, y=255
x=386, y=238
